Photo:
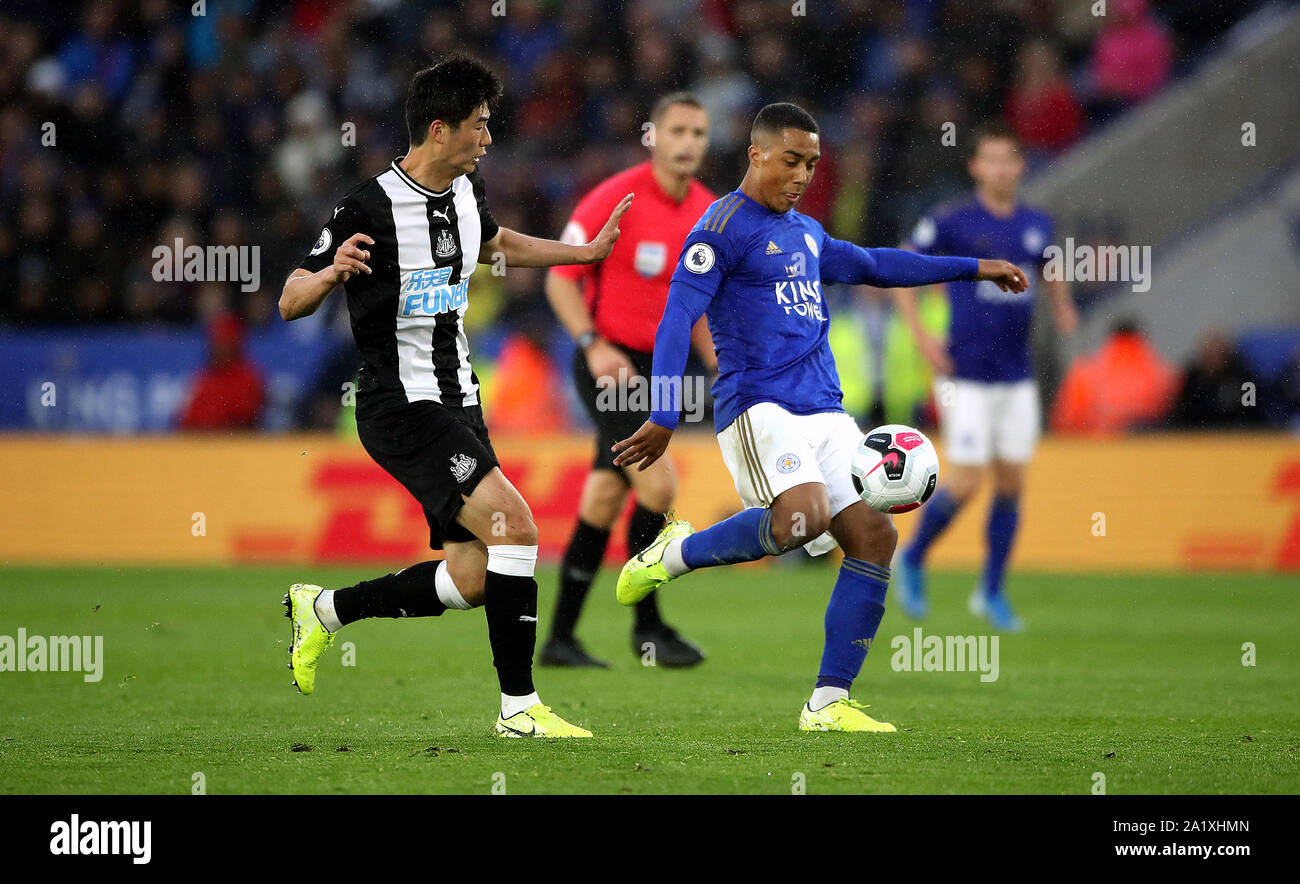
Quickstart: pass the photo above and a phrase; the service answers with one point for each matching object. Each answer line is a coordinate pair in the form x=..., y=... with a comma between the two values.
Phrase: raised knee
x=798, y=528
x=524, y=533
x=516, y=528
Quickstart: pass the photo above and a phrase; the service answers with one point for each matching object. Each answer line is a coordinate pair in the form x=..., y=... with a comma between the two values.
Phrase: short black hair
x=995, y=130
x=672, y=99
x=782, y=115
x=449, y=91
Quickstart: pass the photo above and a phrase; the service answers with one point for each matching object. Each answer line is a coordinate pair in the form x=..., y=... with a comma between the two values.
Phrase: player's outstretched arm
x=897, y=268
x=521, y=250
x=304, y=291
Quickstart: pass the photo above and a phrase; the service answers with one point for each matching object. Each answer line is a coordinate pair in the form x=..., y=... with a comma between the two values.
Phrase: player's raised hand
x=1008, y=276
x=603, y=244
x=350, y=258
x=645, y=446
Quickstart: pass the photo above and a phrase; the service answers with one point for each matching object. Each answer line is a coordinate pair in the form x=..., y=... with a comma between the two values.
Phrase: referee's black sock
x=408, y=593
x=642, y=528
x=510, y=603
x=578, y=569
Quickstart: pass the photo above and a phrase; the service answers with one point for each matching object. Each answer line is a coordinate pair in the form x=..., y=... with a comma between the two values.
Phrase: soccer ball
x=895, y=468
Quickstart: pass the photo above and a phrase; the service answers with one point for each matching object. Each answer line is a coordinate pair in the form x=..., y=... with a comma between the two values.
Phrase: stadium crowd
x=134, y=123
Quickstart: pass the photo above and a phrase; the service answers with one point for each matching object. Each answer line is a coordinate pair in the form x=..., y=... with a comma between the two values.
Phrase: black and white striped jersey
x=408, y=313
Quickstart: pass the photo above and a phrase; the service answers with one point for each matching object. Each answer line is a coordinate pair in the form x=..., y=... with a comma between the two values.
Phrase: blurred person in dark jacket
x=1214, y=394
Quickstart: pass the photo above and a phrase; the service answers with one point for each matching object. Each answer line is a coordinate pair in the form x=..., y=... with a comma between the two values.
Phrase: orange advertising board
x=1154, y=503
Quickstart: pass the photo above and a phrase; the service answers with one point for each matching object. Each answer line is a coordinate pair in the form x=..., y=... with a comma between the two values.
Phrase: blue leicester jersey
x=761, y=273
x=988, y=338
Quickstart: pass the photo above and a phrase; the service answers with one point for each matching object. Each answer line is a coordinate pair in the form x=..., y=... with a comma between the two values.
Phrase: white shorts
x=982, y=422
x=768, y=450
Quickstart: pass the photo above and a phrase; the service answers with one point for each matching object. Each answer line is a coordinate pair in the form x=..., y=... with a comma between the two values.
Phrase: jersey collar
x=788, y=213
x=412, y=183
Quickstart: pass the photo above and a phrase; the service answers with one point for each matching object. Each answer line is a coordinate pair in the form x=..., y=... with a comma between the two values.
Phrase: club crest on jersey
x=462, y=465
x=788, y=463
x=812, y=244
x=700, y=258
x=446, y=246
x=323, y=241
x=426, y=293
x=650, y=258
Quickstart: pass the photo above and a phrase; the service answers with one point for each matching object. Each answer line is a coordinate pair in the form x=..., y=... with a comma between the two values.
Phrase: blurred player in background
x=403, y=245
x=756, y=267
x=988, y=401
x=612, y=309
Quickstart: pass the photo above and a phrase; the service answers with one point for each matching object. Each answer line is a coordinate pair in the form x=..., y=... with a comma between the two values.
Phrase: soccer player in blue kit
x=755, y=266
x=988, y=401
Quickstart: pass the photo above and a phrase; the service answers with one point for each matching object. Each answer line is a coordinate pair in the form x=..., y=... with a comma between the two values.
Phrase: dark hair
x=449, y=91
x=672, y=99
x=992, y=131
x=1127, y=325
x=782, y=115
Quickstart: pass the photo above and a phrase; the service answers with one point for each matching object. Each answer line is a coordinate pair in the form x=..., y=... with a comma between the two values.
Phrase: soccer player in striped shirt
x=403, y=245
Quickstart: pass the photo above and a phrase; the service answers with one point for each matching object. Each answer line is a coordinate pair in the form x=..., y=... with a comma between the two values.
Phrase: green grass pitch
x=1138, y=678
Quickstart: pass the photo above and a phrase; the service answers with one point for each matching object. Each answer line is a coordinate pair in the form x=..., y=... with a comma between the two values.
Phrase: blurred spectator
x=225, y=128
x=228, y=393
x=1041, y=107
x=1132, y=58
x=1286, y=394
x=1214, y=389
x=1124, y=385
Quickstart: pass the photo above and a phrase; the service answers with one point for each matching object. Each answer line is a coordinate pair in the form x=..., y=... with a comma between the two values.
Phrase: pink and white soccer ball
x=895, y=468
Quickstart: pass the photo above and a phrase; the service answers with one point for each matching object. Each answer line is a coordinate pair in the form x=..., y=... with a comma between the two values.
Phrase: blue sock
x=745, y=537
x=852, y=618
x=1001, y=533
x=935, y=516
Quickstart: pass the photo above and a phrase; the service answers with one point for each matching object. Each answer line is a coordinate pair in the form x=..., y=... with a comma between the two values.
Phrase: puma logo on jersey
x=773, y=248
x=439, y=213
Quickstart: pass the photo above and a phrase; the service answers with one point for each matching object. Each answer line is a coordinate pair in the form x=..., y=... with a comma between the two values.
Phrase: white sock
x=448, y=594
x=514, y=561
x=672, y=559
x=825, y=696
x=514, y=705
x=324, y=606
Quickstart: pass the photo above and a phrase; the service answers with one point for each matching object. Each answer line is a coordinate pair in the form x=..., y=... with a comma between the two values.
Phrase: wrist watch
x=586, y=339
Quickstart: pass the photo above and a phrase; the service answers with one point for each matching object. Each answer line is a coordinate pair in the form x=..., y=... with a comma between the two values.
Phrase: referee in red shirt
x=612, y=310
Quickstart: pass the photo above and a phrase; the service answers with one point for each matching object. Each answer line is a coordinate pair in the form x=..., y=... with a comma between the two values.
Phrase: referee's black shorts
x=437, y=452
x=612, y=424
